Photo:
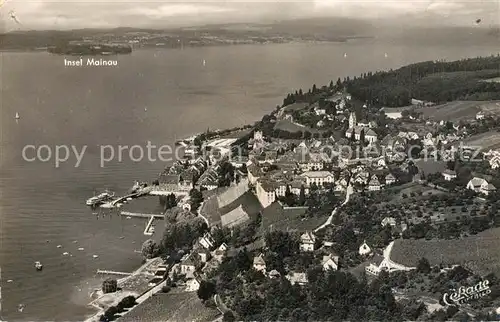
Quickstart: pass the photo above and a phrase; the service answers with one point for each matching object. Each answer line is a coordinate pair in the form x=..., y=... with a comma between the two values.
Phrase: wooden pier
x=101, y=271
x=139, y=215
x=148, y=231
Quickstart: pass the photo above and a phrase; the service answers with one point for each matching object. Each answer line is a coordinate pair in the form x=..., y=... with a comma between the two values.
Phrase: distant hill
x=328, y=29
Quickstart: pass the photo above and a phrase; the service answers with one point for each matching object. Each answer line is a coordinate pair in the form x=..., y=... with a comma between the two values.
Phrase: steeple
x=352, y=120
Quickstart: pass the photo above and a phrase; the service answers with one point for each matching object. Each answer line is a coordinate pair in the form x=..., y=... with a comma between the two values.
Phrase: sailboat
x=17, y=116
x=345, y=55
x=385, y=55
x=38, y=266
x=204, y=62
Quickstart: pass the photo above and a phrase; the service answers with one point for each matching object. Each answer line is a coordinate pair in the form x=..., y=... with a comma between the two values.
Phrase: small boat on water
x=38, y=266
x=17, y=116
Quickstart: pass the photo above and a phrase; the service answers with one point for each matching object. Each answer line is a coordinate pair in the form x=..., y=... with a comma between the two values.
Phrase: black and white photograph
x=238, y=160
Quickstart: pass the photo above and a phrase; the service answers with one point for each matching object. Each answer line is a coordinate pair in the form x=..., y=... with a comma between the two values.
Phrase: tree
x=289, y=197
x=150, y=249
x=110, y=313
x=110, y=285
x=196, y=198
x=362, y=136
x=171, y=201
x=331, y=84
x=128, y=301
x=302, y=196
x=423, y=266
x=228, y=317
x=206, y=290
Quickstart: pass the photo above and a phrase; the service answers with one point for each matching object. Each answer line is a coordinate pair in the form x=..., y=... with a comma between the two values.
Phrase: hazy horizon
x=74, y=14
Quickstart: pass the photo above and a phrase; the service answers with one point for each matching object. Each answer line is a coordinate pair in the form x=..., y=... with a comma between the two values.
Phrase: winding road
x=349, y=192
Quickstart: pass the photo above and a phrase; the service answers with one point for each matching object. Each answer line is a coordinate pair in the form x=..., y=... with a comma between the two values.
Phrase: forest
x=432, y=81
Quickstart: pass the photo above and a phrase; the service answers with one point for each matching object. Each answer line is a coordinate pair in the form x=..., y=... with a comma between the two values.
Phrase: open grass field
x=480, y=253
x=138, y=283
x=295, y=107
x=486, y=141
x=287, y=125
x=289, y=219
x=174, y=307
x=459, y=110
x=420, y=191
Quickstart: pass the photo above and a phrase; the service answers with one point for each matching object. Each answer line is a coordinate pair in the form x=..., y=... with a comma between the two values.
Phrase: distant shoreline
x=151, y=46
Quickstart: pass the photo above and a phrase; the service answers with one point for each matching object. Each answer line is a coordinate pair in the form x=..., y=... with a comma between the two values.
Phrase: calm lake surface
x=153, y=95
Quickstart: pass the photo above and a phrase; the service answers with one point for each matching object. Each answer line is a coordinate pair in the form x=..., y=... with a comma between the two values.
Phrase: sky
x=72, y=14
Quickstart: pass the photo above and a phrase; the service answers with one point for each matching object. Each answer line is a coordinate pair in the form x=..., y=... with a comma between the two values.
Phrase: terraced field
x=480, y=253
x=172, y=307
x=486, y=141
x=459, y=110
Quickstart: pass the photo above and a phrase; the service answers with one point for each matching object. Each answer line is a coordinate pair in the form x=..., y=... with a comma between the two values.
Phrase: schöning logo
x=465, y=294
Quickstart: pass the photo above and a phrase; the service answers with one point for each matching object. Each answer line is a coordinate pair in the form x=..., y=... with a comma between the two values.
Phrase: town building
x=319, y=178
x=204, y=255
x=220, y=252
x=449, y=175
x=480, y=185
x=193, y=284
x=297, y=278
x=188, y=266
x=388, y=221
x=381, y=264
x=330, y=262
x=390, y=179
x=374, y=184
x=364, y=249
x=207, y=241
x=266, y=192
x=480, y=115
x=259, y=264
x=274, y=274
x=307, y=241
x=370, y=135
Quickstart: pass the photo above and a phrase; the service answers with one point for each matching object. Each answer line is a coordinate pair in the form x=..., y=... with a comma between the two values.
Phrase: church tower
x=352, y=120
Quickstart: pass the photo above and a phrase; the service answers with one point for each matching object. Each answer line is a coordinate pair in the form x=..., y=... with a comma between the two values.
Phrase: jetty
x=160, y=192
x=139, y=215
x=137, y=194
x=149, y=230
x=102, y=271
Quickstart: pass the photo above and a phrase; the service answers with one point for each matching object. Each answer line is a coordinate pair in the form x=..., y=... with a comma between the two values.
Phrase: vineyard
x=479, y=253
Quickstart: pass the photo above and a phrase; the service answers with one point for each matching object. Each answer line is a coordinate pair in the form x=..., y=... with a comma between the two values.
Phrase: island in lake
x=89, y=49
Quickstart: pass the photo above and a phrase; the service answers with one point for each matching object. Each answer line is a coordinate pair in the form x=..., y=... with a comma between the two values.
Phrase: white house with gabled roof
x=259, y=264
x=330, y=262
x=307, y=241
x=364, y=249
x=449, y=175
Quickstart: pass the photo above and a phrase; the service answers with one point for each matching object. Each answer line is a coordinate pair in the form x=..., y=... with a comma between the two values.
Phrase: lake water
x=153, y=95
